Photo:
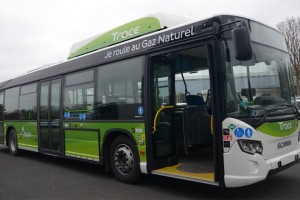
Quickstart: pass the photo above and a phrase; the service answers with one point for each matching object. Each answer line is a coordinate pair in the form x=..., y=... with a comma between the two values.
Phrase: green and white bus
x=210, y=101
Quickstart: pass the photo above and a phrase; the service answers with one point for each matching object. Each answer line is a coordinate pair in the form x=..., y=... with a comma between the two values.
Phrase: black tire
x=13, y=143
x=124, y=160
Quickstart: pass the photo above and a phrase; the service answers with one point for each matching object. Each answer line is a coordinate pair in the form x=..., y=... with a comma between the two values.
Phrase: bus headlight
x=251, y=146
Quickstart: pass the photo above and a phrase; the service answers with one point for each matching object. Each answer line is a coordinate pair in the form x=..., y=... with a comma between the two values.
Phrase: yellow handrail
x=156, y=116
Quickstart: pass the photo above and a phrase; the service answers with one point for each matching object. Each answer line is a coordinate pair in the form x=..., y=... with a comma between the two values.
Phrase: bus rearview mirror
x=242, y=42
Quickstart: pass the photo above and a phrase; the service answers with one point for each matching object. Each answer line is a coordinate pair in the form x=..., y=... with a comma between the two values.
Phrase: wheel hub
x=123, y=159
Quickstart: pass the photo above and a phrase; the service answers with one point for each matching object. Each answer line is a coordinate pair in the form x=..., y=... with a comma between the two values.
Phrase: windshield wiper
x=274, y=109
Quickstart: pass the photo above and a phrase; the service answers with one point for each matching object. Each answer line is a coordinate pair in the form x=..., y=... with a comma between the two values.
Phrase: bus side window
x=28, y=102
x=119, y=90
x=79, y=95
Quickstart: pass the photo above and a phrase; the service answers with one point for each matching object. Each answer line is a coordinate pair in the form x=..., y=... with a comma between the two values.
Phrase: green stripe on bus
x=279, y=129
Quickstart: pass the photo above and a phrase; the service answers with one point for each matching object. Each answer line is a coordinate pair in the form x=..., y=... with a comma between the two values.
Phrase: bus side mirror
x=241, y=42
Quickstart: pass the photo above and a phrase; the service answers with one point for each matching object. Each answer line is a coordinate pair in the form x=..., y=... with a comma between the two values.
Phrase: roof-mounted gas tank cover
x=242, y=42
x=139, y=27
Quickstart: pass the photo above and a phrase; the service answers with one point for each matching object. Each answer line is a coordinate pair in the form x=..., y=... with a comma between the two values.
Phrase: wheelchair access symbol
x=239, y=132
x=82, y=116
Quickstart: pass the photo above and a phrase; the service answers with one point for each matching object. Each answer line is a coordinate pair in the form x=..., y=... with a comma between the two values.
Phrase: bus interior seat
x=163, y=139
x=112, y=99
x=195, y=100
x=196, y=126
x=109, y=111
x=268, y=100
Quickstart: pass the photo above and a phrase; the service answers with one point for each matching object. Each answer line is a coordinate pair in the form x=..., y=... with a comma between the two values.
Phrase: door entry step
x=187, y=172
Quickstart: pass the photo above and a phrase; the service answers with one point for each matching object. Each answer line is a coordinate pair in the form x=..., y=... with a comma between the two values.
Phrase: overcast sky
x=37, y=32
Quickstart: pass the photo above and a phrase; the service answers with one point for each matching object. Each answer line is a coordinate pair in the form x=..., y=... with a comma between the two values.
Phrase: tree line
x=290, y=28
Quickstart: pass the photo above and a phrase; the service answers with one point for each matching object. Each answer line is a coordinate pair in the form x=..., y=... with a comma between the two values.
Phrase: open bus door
x=162, y=108
x=182, y=140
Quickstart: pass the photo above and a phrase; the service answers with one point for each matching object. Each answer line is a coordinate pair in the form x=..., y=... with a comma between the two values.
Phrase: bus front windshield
x=262, y=84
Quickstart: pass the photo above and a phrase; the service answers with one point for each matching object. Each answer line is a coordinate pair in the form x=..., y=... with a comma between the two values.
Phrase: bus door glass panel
x=196, y=115
x=50, y=136
x=193, y=107
x=44, y=115
x=162, y=135
x=55, y=115
x=1, y=118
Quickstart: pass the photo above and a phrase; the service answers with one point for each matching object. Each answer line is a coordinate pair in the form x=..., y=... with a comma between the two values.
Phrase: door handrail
x=156, y=116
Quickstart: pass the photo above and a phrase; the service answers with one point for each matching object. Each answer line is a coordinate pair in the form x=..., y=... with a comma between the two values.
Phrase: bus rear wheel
x=124, y=160
x=13, y=143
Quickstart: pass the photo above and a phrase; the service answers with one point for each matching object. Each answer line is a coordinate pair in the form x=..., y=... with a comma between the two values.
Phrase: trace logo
x=285, y=126
x=124, y=34
x=24, y=133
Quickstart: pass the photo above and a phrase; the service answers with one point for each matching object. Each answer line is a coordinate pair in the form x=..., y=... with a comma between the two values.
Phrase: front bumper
x=244, y=169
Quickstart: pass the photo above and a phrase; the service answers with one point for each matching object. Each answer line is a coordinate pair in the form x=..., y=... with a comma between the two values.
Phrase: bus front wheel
x=13, y=143
x=124, y=160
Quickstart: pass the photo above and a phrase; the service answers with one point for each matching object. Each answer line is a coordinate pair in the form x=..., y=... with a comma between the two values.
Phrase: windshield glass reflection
x=256, y=86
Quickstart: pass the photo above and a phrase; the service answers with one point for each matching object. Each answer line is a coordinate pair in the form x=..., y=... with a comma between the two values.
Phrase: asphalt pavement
x=36, y=176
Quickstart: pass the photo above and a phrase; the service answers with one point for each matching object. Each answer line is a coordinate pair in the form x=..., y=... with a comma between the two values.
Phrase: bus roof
x=133, y=29
x=168, y=23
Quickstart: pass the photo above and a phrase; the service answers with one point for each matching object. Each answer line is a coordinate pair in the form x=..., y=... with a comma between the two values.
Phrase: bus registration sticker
x=239, y=132
x=227, y=138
